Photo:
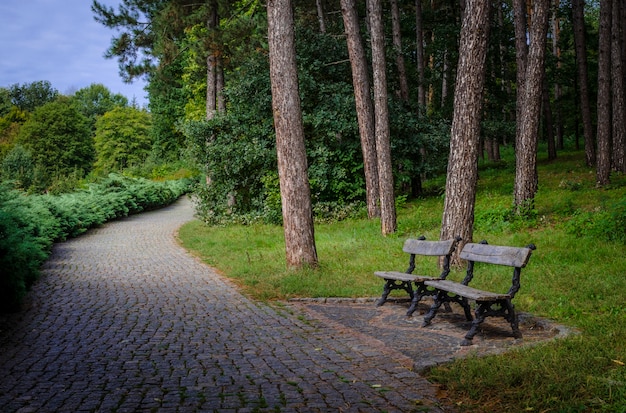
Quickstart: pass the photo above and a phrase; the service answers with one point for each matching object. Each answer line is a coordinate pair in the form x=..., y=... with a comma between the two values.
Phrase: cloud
x=59, y=41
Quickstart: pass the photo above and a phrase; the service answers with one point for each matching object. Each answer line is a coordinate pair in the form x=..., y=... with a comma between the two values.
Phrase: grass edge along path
x=575, y=277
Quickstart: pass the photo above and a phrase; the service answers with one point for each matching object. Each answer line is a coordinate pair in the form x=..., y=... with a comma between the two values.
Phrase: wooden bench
x=395, y=280
x=488, y=304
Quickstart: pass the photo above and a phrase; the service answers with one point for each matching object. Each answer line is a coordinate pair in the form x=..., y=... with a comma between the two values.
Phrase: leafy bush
x=237, y=151
x=29, y=225
x=607, y=223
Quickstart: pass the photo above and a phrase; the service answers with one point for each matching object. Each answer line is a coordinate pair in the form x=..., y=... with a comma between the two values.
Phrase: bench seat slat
x=465, y=291
x=494, y=254
x=402, y=276
x=432, y=248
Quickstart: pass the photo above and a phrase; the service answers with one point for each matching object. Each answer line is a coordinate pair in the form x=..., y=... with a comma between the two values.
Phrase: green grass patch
x=575, y=277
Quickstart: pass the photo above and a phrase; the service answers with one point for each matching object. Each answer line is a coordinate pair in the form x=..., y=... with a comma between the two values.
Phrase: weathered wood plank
x=465, y=291
x=402, y=276
x=495, y=254
x=421, y=247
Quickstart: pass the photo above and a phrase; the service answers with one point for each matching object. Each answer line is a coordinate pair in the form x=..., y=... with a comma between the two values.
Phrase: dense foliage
x=122, y=139
x=244, y=184
x=29, y=225
x=59, y=140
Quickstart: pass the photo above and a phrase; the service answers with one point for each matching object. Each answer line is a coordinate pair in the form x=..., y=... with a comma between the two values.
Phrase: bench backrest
x=430, y=248
x=499, y=255
x=495, y=254
x=423, y=247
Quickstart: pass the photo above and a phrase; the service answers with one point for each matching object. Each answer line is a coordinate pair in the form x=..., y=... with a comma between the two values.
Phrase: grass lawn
x=577, y=277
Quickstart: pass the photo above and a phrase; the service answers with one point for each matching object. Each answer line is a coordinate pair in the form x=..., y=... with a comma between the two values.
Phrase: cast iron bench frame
x=488, y=304
x=395, y=280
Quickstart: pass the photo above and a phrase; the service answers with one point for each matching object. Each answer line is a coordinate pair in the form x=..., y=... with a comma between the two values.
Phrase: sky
x=59, y=41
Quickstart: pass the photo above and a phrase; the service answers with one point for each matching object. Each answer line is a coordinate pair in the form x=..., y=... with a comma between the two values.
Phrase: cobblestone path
x=125, y=320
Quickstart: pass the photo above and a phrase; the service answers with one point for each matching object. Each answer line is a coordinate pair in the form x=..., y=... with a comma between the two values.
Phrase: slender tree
x=212, y=62
x=419, y=56
x=527, y=138
x=397, y=49
x=458, y=213
x=381, y=118
x=292, y=163
x=603, y=167
x=617, y=90
x=580, y=46
x=364, y=106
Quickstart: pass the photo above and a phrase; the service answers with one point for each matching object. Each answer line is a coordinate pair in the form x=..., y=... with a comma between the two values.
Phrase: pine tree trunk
x=381, y=119
x=397, y=48
x=364, y=106
x=583, y=78
x=321, y=17
x=419, y=56
x=549, y=123
x=292, y=162
x=617, y=90
x=603, y=167
x=527, y=140
x=212, y=64
x=458, y=214
x=521, y=56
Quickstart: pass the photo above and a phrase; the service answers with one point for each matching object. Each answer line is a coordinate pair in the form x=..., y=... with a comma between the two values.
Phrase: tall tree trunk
x=580, y=43
x=549, y=122
x=321, y=16
x=292, y=163
x=458, y=213
x=617, y=90
x=419, y=57
x=212, y=63
x=521, y=56
x=556, y=52
x=219, y=85
x=526, y=142
x=364, y=106
x=381, y=119
x=397, y=48
x=603, y=167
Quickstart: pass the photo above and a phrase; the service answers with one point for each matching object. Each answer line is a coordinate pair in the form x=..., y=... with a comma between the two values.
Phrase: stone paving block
x=123, y=319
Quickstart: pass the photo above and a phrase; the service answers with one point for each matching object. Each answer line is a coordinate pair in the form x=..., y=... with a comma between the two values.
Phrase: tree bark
x=364, y=106
x=580, y=43
x=521, y=56
x=458, y=213
x=603, y=167
x=617, y=90
x=397, y=48
x=556, y=52
x=381, y=119
x=549, y=122
x=526, y=142
x=292, y=162
x=321, y=17
x=419, y=57
x=212, y=64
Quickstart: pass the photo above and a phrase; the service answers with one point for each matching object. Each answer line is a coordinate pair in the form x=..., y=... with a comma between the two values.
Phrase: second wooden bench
x=488, y=303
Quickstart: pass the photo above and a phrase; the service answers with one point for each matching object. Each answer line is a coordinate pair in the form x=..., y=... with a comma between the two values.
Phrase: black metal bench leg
x=440, y=298
x=512, y=318
x=466, y=308
x=481, y=309
x=416, y=299
x=386, y=290
x=395, y=285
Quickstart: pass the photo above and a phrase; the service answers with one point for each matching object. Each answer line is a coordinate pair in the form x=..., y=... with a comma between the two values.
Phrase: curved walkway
x=125, y=320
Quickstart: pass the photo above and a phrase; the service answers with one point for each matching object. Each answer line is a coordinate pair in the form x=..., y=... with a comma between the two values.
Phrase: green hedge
x=30, y=224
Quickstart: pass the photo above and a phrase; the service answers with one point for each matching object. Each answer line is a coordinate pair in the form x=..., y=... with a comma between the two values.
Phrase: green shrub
x=608, y=223
x=29, y=225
